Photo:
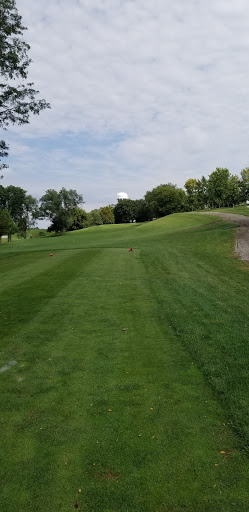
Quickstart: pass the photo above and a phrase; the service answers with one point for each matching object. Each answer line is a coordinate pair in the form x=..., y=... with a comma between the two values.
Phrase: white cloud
x=162, y=85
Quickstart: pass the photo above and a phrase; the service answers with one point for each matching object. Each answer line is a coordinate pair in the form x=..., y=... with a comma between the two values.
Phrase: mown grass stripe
x=124, y=415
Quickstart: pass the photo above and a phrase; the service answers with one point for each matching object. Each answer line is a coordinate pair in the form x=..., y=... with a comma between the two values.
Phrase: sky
x=142, y=93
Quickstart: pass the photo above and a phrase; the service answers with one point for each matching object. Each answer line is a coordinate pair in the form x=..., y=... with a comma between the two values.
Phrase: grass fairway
x=130, y=388
x=240, y=210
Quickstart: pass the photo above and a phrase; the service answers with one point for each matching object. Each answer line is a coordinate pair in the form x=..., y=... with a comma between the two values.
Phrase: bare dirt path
x=242, y=238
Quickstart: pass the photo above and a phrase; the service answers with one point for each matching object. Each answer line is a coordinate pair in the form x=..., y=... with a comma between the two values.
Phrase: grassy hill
x=127, y=388
x=240, y=210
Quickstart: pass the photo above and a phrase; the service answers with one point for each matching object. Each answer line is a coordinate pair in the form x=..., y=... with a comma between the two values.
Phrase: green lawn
x=241, y=210
x=131, y=381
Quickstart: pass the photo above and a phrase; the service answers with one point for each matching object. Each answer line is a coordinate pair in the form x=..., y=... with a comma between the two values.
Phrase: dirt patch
x=242, y=243
x=107, y=475
x=242, y=237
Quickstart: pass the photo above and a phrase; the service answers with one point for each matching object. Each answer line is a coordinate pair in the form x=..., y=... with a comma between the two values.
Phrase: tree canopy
x=218, y=187
x=59, y=207
x=7, y=225
x=22, y=207
x=78, y=219
x=17, y=100
x=165, y=199
x=107, y=215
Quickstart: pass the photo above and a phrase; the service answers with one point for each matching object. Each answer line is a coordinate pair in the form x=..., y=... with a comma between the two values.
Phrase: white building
x=122, y=195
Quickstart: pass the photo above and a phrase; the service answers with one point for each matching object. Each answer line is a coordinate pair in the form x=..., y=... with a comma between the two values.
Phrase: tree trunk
x=9, y=237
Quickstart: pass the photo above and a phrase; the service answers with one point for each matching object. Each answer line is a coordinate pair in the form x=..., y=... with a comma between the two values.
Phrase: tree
x=201, y=192
x=107, y=215
x=17, y=101
x=23, y=208
x=166, y=199
x=191, y=189
x=244, y=184
x=132, y=210
x=95, y=218
x=29, y=216
x=218, y=187
x=79, y=219
x=142, y=211
x=7, y=224
x=59, y=207
x=234, y=191
x=125, y=211
x=3, y=153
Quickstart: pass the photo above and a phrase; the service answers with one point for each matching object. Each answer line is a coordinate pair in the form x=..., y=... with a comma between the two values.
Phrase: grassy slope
x=184, y=298
x=241, y=210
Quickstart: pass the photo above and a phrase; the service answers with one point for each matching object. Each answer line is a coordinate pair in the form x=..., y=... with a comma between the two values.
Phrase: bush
x=42, y=232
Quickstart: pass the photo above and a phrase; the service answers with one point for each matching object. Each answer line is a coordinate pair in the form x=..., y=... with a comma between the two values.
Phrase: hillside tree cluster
x=220, y=189
x=20, y=211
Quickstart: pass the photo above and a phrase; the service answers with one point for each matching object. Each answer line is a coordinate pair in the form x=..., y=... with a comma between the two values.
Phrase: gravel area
x=242, y=238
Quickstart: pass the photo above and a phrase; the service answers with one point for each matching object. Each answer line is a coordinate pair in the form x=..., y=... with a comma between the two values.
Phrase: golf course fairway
x=124, y=374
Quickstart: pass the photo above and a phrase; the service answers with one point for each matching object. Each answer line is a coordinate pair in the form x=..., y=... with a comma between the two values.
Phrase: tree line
x=220, y=189
x=20, y=211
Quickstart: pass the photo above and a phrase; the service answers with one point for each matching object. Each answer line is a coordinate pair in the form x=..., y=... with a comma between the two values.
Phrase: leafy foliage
x=107, y=215
x=78, y=218
x=219, y=190
x=124, y=211
x=23, y=208
x=95, y=218
x=7, y=224
x=129, y=210
x=166, y=199
x=218, y=187
x=191, y=188
x=59, y=207
x=244, y=184
x=17, y=101
x=3, y=154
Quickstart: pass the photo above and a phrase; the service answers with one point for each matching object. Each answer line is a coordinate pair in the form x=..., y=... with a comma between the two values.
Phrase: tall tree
x=218, y=187
x=107, y=215
x=234, y=191
x=3, y=154
x=17, y=100
x=95, y=218
x=29, y=216
x=191, y=189
x=244, y=184
x=7, y=224
x=79, y=219
x=166, y=199
x=23, y=208
x=59, y=207
x=201, y=192
x=125, y=211
x=142, y=211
